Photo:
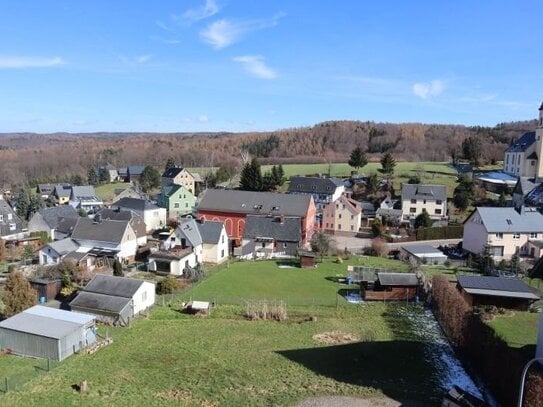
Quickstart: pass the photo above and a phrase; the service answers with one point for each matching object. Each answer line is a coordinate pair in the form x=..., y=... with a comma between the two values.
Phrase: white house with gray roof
x=506, y=231
x=323, y=190
x=271, y=235
x=11, y=226
x=419, y=197
x=153, y=216
x=55, y=252
x=85, y=198
x=47, y=219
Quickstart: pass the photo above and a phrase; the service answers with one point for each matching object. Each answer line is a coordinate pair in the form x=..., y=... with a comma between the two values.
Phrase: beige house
x=179, y=176
x=506, y=231
x=419, y=197
x=343, y=215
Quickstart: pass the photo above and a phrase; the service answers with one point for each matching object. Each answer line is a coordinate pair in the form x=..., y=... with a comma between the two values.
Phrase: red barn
x=233, y=206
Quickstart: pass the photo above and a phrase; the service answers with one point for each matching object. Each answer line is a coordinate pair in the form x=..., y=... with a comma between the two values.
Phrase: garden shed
x=47, y=333
x=307, y=258
x=47, y=289
x=424, y=253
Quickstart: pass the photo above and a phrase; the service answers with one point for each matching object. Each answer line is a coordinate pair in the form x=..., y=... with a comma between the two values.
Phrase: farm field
x=171, y=358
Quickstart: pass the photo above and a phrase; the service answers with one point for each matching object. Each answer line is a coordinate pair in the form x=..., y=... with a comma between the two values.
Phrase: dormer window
x=257, y=207
x=275, y=208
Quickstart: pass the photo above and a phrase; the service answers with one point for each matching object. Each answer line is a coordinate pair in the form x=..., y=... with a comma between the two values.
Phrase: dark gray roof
x=421, y=191
x=463, y=168
x=134, y=204
x=111, y=231
x=285, y=229
x=188, y=229
x=63, y=247
x=509, y=220
x=405, y=279
x=45, y=189
x=497, y=286
x=524, y=185
x=210, y=231
x=135, y=169
x=111, y=285
x=368, y=208
x=86, y=192
x=76, y=257
x=523, y=143
x=172, y=172
x=101, y=302
x=136, y=221
x=314, y=185
x=52, y=216
x=535, y=196
x=6, y=210
x=249, y=202
x=63, y=190
x=66, y=225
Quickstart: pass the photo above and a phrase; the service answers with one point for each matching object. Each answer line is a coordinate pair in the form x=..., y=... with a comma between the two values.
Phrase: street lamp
x=523, y=378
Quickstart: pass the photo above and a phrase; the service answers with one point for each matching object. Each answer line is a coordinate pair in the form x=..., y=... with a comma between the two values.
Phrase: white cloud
x=203, y=119
x=12, y=62
x=170, y=41
x=424, y=90
x=208, y=9
x=143, y=58
x=137, y=60
x=222, y=33
x=255, y=66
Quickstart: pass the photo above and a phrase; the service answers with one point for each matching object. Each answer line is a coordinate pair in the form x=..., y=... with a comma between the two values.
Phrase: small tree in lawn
x=92, y=176
x=321, y=243
x=423, y=220
x=358, y=158
x=118, y=268
x=18, y=294
x=150, y=178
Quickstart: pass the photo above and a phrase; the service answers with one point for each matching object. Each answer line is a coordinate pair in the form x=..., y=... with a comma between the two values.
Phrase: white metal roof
x=423, y=250
x=59, y=314
x=200, y=305
x=499, y=293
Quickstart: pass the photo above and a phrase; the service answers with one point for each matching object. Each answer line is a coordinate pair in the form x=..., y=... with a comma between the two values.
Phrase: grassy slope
x=226, y=360
x=106, y=191
x=517, y=330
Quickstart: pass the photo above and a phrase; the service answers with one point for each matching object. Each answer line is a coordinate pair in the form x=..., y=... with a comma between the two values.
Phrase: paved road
x=355, y=244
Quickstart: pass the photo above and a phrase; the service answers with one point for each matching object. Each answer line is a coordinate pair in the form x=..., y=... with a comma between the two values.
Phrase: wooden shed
x=390, y=287
x=307, y=258
x=47, y=289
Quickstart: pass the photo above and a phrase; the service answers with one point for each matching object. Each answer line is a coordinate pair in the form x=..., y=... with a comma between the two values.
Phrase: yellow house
x=343, y=215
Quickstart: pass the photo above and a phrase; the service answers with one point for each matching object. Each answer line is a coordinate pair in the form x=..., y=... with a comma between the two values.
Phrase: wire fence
x=24, y=370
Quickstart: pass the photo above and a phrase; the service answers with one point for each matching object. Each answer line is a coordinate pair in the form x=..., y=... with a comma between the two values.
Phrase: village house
x=114, y=300
x=179, y=176
x=233, y=206
x=55, y=252
x=61, y=194
x=505, y=231
x=108, y=173
x=153, y=216
x=265, y=236
x=524, y=158
x=135, y=220
x=128, y=192
x=45, y=190
x=177, y=200
x=11, y=226
x=47, y=219
x=132, y=173
x=65, y=228
x=342, y=216
x=85, y=198
x=419, y=197
x=323, y=190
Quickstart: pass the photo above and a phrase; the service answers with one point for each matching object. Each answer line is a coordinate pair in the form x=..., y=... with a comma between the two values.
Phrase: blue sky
x=214, y=65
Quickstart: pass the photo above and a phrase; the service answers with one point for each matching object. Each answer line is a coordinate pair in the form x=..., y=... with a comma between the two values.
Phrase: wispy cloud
x=424, y=90
x=137, y=60
x=208, y=9
x=203, y=119
x=223, y=33
x=170, y=41
x=255, y=66
x=17, y=62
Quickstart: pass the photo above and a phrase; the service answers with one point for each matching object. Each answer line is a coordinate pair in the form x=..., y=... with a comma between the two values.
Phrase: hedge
x=442, y=232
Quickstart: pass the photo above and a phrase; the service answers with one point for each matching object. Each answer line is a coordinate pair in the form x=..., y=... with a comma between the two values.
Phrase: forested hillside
x=48, y=157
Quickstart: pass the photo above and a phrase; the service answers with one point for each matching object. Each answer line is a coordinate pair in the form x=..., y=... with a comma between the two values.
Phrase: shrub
x=167, y=285
x=263, y=310
x=447, y=263
x=379, y=247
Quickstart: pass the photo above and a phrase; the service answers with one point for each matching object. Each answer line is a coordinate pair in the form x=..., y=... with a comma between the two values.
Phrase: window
x=344, y=206
x=499, y=235
x=285, y=245
x=533, y=235
x=413, y=201
x=424, y=201
x=339, y=216
x=412, y=210
x=533, y=163
x=222, y=253
x=176, y=205
x=339, y=226
x=352, y=227
x=10, y=216
x=263, y=244
x=439, y=202
x=222, y=239
x=186, y=204
x=144, y=296
x=438, y=211
x=352, y=217
x=516, y=235
x=12, y=226
x=1, y=218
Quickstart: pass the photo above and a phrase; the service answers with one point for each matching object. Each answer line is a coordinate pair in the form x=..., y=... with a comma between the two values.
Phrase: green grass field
x=518, y=329
x=106, y=191
x=171, y=358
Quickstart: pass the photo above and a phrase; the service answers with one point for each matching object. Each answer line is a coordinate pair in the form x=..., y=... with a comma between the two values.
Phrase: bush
x=379, y=247
x=263, y=310
x=167, y=285
x=447, y=263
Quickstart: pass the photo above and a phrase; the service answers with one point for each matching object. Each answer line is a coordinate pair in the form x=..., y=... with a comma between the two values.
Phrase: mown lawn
x=518, y=329
x=176, y=359
x=264, y=279
x=107, y=191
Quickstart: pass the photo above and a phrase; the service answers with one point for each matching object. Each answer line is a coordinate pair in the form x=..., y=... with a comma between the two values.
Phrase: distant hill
x=31, y=156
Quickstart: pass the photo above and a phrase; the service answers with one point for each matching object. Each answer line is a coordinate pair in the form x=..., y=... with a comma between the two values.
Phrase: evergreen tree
x=358, y=158
x=77, y=179
x=372, y=184
x=18, y=294
x=463, y=193
x=280, y=175
x=150, y=178
x=485, y=262
x=169, y=164
x=23, y=203
x=515, y=263
x=423, y=220
x=472, y=150
x=251, y=177
x=388, y=163
x=92, y=176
